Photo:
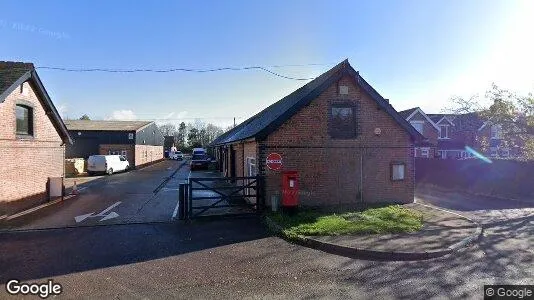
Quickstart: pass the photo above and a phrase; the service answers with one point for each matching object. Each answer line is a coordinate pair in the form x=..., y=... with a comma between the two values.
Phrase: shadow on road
x=48, y=253
x=467, y=202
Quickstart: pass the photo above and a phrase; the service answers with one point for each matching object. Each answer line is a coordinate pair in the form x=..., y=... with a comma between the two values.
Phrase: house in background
x=32, y=138
x=424, y=125
x=141, y=142
x=456, y=131
x=347, y=143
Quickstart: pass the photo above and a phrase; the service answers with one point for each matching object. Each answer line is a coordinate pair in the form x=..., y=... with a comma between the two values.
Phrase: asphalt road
x=236, y=258
x=146, y=195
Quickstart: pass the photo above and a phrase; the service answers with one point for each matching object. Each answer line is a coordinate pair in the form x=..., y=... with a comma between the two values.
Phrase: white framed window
x=397, y=171
x=418, y=125
x=505, y=152
x=494, y=152
x=130, y=136
x=425, y=152
x=495, y=131
x=443, y=131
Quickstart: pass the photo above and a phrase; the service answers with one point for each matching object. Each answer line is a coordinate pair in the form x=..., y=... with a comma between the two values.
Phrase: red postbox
x=290, y=188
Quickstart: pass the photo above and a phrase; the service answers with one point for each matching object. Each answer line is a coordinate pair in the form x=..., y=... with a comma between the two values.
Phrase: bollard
x=74, y=189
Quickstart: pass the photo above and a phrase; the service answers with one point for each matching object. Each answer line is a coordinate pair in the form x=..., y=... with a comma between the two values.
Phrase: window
x=397, y=171
x=130, y=136
x=114, y=152
x=418, y=125
x=495, y=131
x=124, y=152
x=493, y=151
x=443, y=131
x=122, y=158
x=24, y=116
x=424, y=152
x=343, y=122
x=505, y=152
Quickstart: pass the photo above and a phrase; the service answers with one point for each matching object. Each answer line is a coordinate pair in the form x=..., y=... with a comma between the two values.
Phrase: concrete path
x=441, y=230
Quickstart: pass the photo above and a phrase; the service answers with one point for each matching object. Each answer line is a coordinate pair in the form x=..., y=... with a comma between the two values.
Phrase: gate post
x=182, y=201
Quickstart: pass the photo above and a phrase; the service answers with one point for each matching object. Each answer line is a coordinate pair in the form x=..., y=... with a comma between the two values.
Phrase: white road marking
x=111, y=215
x=175, y=210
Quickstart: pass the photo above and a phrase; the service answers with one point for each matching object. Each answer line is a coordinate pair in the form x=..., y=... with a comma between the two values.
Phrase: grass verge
x=389, y=219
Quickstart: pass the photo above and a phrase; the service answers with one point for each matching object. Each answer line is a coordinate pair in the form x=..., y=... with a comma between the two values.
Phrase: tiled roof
x=10, y=72
x=266, y=121
x=13, y=74
x=97, y=125
x=406, y=113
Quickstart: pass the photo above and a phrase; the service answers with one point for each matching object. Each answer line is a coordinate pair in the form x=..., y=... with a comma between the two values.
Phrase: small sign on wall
x=130, y=136
x=274, y=161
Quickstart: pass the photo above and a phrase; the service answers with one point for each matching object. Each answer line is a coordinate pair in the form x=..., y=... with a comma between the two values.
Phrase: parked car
x=177, y=155
x=108, y=164
x=199, y=151
x=199, y=161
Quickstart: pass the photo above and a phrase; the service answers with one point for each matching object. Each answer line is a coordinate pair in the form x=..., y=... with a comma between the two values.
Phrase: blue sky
x=417, y=53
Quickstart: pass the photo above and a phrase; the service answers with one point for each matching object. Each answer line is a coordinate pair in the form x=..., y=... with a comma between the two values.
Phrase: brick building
x=141, y=142
x=348, y=144
x=32, y=138
x=422, y=123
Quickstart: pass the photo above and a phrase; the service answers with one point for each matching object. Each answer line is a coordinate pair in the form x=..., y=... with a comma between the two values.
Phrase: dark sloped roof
x=13, y=74
x=97, y=125
x=269, y=119
x=406, y=113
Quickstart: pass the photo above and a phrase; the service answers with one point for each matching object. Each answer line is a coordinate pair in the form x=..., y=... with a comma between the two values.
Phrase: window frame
x=441, y=137
x=495, y=132
x=31, y=120
x=425, y=152
x=419, y=123
x=338, y=134
x=392, y=166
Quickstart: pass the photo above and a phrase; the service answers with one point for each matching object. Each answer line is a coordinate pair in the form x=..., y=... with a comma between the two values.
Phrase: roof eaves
x=60, y=126
x=11, y=88
x=388, y=108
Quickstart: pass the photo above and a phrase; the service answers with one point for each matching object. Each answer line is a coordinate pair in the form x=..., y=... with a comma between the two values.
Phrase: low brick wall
x=501, y=178
x=146, y=154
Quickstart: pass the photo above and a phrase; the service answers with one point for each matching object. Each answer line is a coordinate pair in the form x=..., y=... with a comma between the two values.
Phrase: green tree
x=85, y=117
x=513, y=113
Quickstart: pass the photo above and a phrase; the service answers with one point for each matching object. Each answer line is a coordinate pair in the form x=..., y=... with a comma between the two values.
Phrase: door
x=232, y=162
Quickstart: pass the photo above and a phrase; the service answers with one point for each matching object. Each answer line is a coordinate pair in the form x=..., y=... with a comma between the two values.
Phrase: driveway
x=236, y=258
x=139, y=196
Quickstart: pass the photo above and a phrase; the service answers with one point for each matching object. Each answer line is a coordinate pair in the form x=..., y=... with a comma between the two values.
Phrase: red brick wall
x=26, y=164
x=330, y=169
x=130, y=151
x=429, y=131
x=145, y=154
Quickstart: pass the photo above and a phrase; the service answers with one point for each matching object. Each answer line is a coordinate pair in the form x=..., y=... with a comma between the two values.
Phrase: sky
x=416, y=53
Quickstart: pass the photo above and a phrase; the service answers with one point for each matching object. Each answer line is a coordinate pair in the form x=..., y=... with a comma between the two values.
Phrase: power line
x=193, y=70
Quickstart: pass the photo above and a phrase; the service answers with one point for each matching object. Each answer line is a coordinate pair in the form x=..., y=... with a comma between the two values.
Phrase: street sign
x=274, y=161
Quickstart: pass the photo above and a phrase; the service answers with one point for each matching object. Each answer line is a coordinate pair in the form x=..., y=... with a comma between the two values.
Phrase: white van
x=107, y=164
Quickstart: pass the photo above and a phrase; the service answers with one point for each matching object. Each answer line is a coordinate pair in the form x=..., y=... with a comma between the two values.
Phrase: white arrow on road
x=111, y=215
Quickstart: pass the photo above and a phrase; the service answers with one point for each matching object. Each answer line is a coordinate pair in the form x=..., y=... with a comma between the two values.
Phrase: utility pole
x=234, y=121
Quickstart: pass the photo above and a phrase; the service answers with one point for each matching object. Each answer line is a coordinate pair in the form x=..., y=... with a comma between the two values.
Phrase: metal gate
x=216, y=196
